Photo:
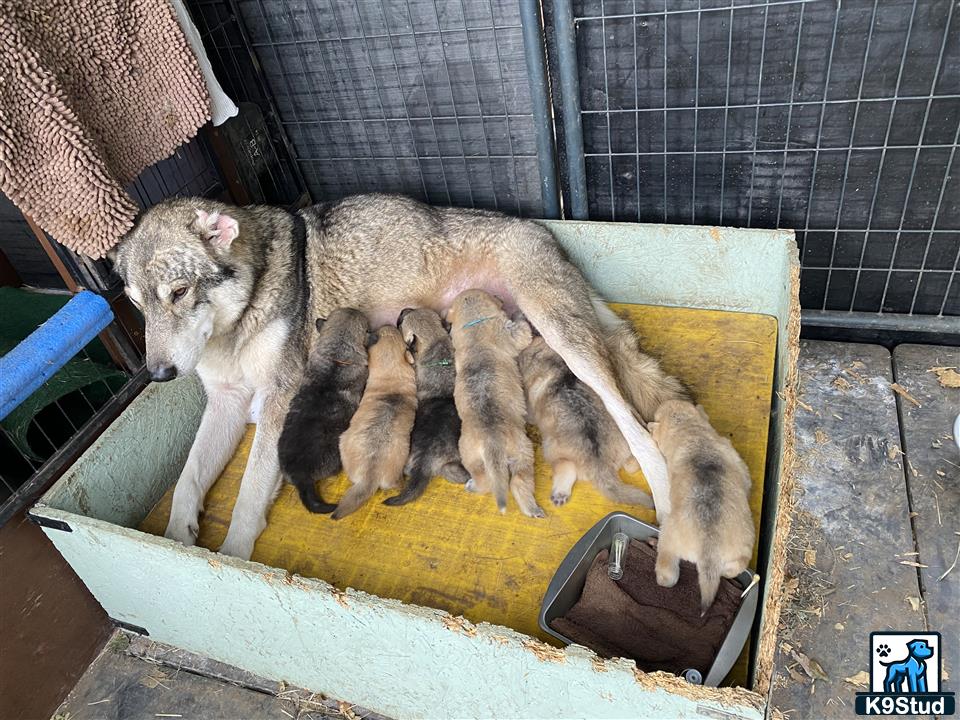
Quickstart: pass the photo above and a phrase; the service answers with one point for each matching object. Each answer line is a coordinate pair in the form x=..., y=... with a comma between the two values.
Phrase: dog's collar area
x=476, y=322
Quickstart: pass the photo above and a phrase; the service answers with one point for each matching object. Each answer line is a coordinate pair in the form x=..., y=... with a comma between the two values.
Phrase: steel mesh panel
x=839, y=122
x=428, y=99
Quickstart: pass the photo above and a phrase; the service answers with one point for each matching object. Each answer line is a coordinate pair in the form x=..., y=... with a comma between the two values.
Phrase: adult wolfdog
x=233, y=293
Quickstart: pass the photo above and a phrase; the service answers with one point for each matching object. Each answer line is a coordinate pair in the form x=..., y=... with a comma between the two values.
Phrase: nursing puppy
x=710, y=523
x=309, y=445
x=580, y=439
x=434, y=442
x=376, y=445
x=489, y=397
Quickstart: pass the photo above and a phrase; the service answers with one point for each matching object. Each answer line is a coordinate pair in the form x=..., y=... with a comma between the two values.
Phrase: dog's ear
x=320, y=322
x=218, y=229
x=520, y=332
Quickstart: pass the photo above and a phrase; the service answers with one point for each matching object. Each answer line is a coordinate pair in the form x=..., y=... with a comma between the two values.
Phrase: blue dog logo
x=905, y=676
x=911, y=671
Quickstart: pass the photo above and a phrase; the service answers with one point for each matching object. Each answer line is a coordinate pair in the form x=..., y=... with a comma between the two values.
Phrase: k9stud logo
x=905, y=673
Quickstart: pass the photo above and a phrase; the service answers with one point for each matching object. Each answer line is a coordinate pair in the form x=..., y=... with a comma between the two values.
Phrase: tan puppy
x=375, y=446
x=488, y=393
x=580, y=439
x=710, y=522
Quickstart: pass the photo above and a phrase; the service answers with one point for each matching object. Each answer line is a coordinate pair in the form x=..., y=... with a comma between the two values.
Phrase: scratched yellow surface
x=451, y=549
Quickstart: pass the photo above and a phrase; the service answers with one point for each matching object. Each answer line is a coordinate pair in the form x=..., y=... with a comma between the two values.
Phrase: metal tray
x=567, y=585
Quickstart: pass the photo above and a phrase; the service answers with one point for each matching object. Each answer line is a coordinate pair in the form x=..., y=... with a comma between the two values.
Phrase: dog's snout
x=403, y=314
x=163, y=372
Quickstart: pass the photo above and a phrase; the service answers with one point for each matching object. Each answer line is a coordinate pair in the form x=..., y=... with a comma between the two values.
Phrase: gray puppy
x=336, y=374
x=436, y=430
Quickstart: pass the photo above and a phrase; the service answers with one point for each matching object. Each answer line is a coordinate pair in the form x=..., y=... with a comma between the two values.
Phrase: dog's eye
x=178, y=293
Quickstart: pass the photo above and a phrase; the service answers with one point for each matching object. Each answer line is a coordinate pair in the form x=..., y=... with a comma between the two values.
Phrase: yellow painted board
x=451, y=549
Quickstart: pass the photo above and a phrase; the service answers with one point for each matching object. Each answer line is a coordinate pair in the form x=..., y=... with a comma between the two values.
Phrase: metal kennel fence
x=839, y=120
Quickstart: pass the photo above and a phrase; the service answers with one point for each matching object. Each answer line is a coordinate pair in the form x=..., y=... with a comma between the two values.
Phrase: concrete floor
x=874, y=530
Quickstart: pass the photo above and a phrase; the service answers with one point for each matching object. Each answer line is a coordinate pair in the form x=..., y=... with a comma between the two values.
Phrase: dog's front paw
x=559, y=498
x=184, y=533
x=237, y=547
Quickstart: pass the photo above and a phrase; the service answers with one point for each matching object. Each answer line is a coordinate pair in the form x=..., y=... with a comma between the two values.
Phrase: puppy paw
x=184, y=533
x=559, y=498
x=667, y=577
x=535, y=512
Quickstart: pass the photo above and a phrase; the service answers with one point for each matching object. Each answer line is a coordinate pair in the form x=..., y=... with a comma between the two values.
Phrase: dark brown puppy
x=436, y=429
x=309, y=446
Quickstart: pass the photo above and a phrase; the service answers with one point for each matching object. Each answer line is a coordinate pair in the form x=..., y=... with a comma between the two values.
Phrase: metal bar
x=889, y=322
x=572, y=122
x=687, y=11
x=798, y=103
x=67, y=453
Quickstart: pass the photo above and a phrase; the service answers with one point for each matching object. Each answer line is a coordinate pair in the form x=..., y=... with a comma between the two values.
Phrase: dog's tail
x=419, y=479
x=498, y=472
x=642, y=380
x=311, y=499
x=364, y=486
x=708, y=572
x=613, y=488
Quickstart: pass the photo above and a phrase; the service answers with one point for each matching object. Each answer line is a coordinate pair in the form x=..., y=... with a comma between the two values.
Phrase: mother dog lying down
x=233, y=293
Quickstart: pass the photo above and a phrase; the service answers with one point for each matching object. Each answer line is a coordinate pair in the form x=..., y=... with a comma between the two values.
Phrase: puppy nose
x=162, y=373
x=403, y=314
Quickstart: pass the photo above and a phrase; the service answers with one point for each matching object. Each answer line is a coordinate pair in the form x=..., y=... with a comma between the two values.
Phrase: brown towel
x=94, y=91
x=659, y=627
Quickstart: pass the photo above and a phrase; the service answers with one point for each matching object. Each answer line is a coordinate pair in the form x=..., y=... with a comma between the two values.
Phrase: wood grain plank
x=851, y=529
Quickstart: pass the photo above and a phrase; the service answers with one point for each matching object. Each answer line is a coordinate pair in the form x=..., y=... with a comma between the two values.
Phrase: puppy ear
x=320, y=322
x=372, y=338
x=520, y=332
x=216, y=228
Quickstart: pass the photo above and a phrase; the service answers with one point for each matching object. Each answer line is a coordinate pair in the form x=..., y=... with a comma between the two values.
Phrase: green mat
x=21, y=312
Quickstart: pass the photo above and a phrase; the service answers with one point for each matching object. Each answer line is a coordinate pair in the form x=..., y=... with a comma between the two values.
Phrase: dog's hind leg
x=554, y=296
x=221, y=428
x=260, y=482
x=454, y=472
x=521, y=485
x=564, y=477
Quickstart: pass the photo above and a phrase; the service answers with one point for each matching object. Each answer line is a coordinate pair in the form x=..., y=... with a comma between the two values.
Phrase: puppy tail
x=498, y=470
x=357, y=495
x=311, y=499
x=419, y=478
x=642, y=380
x=708, y=572
x=615, y=489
